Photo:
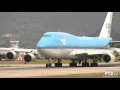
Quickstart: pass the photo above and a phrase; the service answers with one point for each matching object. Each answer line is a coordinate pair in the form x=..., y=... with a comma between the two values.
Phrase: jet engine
x=29, y=57
x=11, y=55
x=108, y=58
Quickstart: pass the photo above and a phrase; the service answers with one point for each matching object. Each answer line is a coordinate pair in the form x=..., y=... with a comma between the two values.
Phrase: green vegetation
x=43, y=61
x=5, y=42
x=94, y=76
x=32, y=25
x=100, y=75
x=35, y=62
x=117, y=46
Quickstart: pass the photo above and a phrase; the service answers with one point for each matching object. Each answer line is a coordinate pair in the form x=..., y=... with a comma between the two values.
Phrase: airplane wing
x=12, y=53
x=117, y=49
x=94, y=52
x=106, y=55
x=18, y=50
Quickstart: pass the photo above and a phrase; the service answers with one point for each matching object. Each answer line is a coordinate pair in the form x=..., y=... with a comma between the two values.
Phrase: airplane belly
x=73, y=53
x=55, y=53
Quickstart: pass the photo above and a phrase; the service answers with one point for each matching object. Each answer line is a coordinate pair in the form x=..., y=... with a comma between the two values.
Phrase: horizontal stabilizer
x=113, y=42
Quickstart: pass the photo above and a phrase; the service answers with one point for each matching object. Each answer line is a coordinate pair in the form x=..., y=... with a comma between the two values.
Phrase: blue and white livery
x=61, y=45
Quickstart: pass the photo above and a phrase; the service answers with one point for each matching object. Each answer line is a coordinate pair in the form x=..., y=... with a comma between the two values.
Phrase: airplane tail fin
x=106, y=29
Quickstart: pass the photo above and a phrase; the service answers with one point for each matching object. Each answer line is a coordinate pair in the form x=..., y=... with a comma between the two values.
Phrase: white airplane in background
x=12, y=52
x=61, y=45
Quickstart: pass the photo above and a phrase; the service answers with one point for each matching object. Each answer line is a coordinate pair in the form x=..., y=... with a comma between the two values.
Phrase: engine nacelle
x=11, y=55
x=29, y=57
x=108, y=58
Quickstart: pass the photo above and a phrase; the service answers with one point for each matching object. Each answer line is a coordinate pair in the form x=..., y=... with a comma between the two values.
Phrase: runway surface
x=35, y=70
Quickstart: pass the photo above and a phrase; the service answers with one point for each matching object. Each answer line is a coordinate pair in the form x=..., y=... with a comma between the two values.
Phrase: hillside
x=32, y=25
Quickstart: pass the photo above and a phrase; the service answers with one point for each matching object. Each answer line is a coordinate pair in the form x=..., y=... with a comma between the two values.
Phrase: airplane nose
x=44, y=43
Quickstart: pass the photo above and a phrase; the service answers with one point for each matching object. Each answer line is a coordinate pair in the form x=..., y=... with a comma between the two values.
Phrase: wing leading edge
x=18, y=50
x=94, y=52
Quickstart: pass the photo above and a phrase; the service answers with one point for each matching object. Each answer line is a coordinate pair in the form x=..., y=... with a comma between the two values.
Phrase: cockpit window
x=47, y=36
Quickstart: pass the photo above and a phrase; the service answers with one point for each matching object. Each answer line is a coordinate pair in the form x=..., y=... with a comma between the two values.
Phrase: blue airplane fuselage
x=66, y=40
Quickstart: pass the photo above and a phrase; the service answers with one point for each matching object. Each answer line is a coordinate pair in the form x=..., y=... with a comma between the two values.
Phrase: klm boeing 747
x=61, y=45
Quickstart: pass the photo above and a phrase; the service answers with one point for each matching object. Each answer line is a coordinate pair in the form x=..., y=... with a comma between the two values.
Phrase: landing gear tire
x=85, y=64
x=94, y=65
x=58, y=64
x=48, y=65
x=73, y=64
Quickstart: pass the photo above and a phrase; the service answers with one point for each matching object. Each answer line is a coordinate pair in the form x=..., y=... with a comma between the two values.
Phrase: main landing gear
x=94, y=64
x=73, y=64
x=85, y=64
x=58, y=64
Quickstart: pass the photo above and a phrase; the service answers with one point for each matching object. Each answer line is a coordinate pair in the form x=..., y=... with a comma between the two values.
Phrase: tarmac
x=40, y=71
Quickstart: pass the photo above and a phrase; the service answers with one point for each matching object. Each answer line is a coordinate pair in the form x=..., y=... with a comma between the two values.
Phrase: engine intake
x=29, y=57
x=11, y=55
x=109, y=58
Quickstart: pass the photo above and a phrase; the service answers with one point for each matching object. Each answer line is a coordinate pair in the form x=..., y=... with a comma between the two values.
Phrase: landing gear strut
x=79, y=61
x=25, y=62
x=49, y=63
x=58, y=64
x=73, y=64
x=85, y=64
x=94, y=64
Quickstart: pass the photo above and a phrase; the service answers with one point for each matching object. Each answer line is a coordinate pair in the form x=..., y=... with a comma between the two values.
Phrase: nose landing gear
x=48, y=64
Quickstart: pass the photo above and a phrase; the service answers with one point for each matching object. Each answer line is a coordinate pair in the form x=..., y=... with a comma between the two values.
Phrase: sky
x=32, y=25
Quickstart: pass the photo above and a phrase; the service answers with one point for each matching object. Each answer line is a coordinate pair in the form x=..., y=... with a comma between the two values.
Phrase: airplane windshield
x=47, y=36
